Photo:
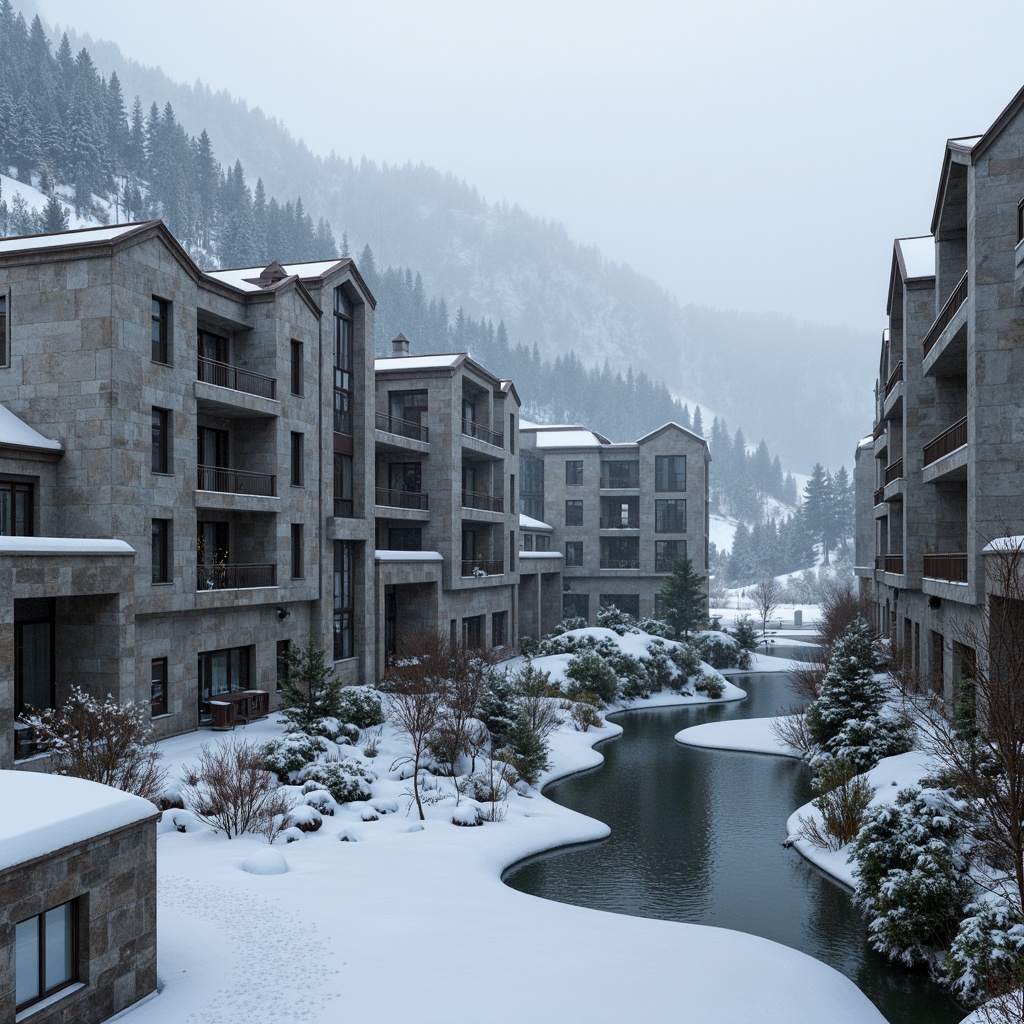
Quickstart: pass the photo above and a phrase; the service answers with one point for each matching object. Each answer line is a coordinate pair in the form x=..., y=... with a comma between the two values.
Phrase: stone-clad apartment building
x=942, y=475
x=621, y=514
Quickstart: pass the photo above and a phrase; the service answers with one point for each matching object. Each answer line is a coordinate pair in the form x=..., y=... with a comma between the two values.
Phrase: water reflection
x=696, y=836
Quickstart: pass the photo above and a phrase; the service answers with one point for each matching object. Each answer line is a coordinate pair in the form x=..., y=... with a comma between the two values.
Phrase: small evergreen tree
x=311, y=690
x=684, y=598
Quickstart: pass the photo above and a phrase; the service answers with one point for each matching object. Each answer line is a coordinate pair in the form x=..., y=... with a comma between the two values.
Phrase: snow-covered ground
x=411, y=922
x=36, y=200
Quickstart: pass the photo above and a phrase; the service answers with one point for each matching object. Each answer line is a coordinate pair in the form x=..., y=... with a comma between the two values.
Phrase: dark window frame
x=668, y=518
x=344, y=600
x=23, y=524
x=575, y=560
x=157, y=687
x=298, y=551
x=161, y=330
x=298, y=458
x=344, y=493
x=576, y=506
x=573, y=472
x=161, y=548
x=41, y=955
x=667, y=475
x=162, y=432
x=297, y=363
x=5, y=346
x=664, y=563
x=499, y=629
x=344, y=357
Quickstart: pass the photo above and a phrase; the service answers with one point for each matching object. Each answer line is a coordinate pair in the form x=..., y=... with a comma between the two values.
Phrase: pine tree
x=311, y=690
x=698, y=421
x=684, y=598
x=55, y=217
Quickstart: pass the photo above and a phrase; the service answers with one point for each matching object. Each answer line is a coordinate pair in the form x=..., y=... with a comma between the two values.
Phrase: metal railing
x=404, y=428
x=948, y=311
x=473, y=429
x=235, y=577
x=951, y=566
x=948, y=441
x=236, y=481
x=880, y=496
x=620, y=482
x=889, y=563
x=894, y=472
x=401, y=499
x=879, y=429
x=485, y=502
x=618, y=523
x=896, y=377
x=620, y=563
x=224, y=375
x=482, y=567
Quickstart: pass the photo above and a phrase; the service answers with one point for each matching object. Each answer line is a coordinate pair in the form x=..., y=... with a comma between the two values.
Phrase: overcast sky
x=747, y=155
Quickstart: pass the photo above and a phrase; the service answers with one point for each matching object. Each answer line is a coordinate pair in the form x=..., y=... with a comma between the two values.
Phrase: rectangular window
x=511, y=550
x=158, y=687
x=344, y=600
x=405, y=538
x=543, y=542
x=5, y=348
x=574, y=473
x=574, y=513
x=343, y=361
x=667, y=553
x=216, y=348
x=298, y=555
x=499, y=629
x=46, y=954
x=298, y=459
x=511, y=434
x=473, y=632
x=620, y=474
x=670, y=472
x=297, y=360
x=16, y=511
x=527, y=541
x=628, y=603
x=620, y=552
x=343, y=497
x=407, y=414
x=224, y=671
x=670, y=515
x=620, y=513
x=1020, y=221
x=161, y=550
x=576, y=606
x=531, y=493
x=161, y=440
x=283, y=663
x=573, y=554
x=161, y=331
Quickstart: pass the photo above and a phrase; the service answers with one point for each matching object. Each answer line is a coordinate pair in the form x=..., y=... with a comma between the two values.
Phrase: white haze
x=747, y=155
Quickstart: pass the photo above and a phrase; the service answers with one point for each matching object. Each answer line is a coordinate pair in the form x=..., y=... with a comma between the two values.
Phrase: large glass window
x=573, y=554
x=628, y=603
x=298, y=459
x=667, y=553
x=670, y=515
x=223, y=671
x=344, y=600
x=619, y=474
x=34, y=659
x=16, y=514
x=620, y=552
x=296, y=367
x=5, y=350
x=576, y=606
x=574, y=512
x=158, y=686
x=298, y=554
x=574, y=472
x=213, y=346
x=45, y=957
x=670, y=472
x=160, y=550
x=407, y=414
x=343, y=497
x=405, y=538
x=531, y=492
x=160, y=456
x=161, y=331
x=620, y=513
x=343, y=362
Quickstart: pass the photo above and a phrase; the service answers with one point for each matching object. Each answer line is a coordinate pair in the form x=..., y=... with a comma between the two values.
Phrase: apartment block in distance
x=940, y=482
x=621, y=514
x=185, y=465
x=446, y=522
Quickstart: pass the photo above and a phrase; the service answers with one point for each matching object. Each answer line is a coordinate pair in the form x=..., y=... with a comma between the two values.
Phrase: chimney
x=400, y=346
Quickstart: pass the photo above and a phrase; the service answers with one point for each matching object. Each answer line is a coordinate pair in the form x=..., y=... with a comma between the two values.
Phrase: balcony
x=393, y=498
x=618, y=523
x=224, y=375
x=896, y=377
x=946, y=314
x=480, y=567
x=483, y=502
x=481, y=433
x=620, y=563
x=889, y=563
x=620, y=481
x=879, y=429
x=403, y=428
x=894, y=472
x=344, y=508
x=235, y=577
x=951, y=567
x=236, y=481
x=879, y=496
x=945, y=456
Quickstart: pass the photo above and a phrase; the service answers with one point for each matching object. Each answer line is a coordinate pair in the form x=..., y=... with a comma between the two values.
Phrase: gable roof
x=913, y=259
x=672, y=426
x=17, y=434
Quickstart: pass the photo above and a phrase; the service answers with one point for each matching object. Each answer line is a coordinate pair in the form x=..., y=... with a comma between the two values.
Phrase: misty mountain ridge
x=805, y=389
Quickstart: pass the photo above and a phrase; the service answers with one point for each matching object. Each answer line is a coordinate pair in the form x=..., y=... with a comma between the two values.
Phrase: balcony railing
x=344, y=508
x=948, y=441
x=401, y=499
x=889, y=563
x=879, y=495
x=236, y=481
x=879, y=429
x=894, y=472
x=620, y=563
x=948, y=311
x=473, y=429
x=404, y=428
x=482, y=567
x=235, y=577
x=224, y=375
x=486, y=502
x=950, y=566
x=618, y=523
x=620, y=481
x=896, y=377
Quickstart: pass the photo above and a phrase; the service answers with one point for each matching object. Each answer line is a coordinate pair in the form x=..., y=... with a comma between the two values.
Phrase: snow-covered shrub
x=565, y=643
x=572, y=622
x=588, y=671
x=304, y=818
x=584, y=715
x=744, y=632
x=529, y=646
x=490, y=787
x=986, y=959
x=345, y=780
x=231, y=790
x=320, y=799
x=360, y=706
x=617, y=620
x=661, y=670
x=720, y=650
x=101, y=740
x=710, y=684
x=849, y=718
x=912, y=880
x=287, y=756
x=656, y=627
x=467, y=815
x=842, y=803
x=527, y=751
x=687, y=662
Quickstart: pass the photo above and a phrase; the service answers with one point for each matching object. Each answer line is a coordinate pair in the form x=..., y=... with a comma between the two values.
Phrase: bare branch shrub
x=791, y=728
x=103, y=741
x=584, y=715
x=767, y=595
x=231, y=791
x=842, y=808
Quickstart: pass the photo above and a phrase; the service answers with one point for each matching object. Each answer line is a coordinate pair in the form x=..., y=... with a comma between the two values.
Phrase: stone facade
x=621, y=513
x=949, y=474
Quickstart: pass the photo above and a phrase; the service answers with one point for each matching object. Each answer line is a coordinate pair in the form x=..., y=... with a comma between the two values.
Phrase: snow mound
x=468, y=815
x=266, y=862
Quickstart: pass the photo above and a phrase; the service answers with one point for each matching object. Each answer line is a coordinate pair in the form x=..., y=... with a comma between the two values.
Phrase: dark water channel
x=696, y=836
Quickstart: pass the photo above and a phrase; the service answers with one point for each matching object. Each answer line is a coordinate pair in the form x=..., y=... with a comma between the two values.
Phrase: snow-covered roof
x=866, y=442
x=240, y=278
x=80, y=237
x=540, y=554
x=571, y=437
x=448, y=359
x=46, y=813
x=315, y=268
x=918, y=256
x=967, y=143
x=1002, y=545
x=527, y=523
x=408, y=556
x=63, y=546
x=14, y=431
